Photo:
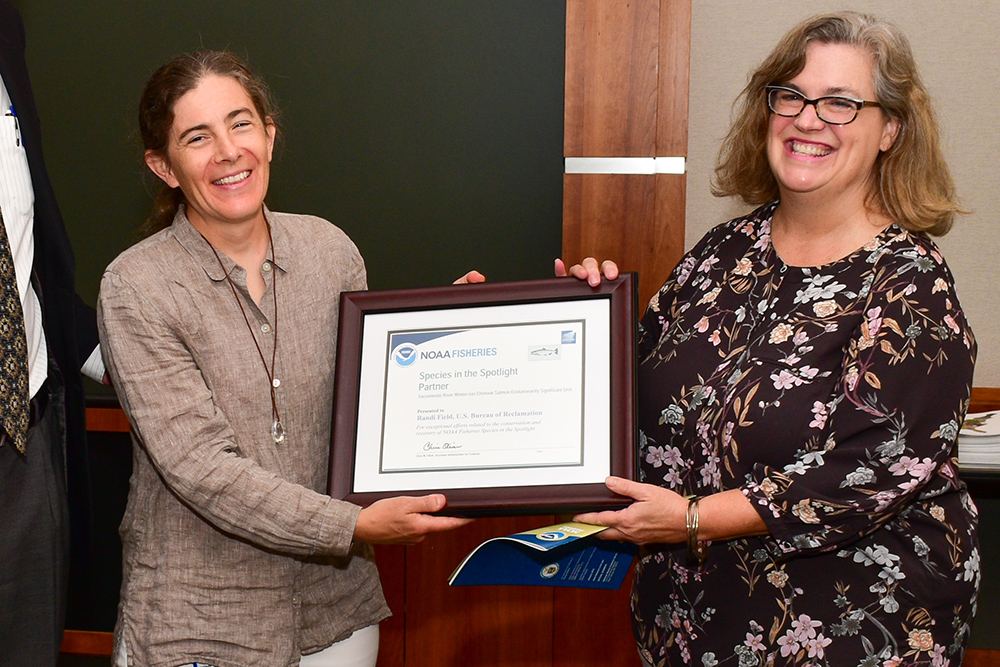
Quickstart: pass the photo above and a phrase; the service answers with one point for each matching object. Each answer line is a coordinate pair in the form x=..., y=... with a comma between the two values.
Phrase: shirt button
x=266, y=266
x=266, y=328
x=295, y=601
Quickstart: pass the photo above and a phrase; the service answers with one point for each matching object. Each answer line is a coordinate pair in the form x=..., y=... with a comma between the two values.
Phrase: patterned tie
x=14, y=351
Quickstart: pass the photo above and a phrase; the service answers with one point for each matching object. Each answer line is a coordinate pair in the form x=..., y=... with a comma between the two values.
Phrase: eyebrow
x=204, y=126
x=836, y=91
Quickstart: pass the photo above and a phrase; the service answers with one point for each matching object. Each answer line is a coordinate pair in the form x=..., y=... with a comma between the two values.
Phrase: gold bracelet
x=696, y=550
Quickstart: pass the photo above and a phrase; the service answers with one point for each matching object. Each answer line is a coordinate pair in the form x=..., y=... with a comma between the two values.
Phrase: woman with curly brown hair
x=803, y=374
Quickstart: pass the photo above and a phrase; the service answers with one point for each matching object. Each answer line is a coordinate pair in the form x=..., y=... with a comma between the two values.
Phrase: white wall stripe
x=670, y=165
x=625, y=165
x=610, y=165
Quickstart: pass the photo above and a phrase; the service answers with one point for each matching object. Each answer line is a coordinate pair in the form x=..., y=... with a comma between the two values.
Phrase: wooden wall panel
x=635, y=219
x=473, y=626
x=981, y=658
x=107, y=420
x=611, y=78
x=985, y=398
x=97, y=644
x=673, y=78
x=627, y=70
x=609, y=216
x=391, y=561
x=627, y=73
x=594, y=627
x=664, y=245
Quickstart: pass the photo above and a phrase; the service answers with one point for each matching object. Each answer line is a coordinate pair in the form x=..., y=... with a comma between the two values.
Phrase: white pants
x=358, y=650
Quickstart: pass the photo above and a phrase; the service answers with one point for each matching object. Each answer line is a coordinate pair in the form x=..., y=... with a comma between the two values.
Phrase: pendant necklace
x=277, y=430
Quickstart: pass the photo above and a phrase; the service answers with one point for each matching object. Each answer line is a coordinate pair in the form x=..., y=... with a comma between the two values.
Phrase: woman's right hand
x=588, y=270
x=470, y=278
x=404, y=520
x=657, y=516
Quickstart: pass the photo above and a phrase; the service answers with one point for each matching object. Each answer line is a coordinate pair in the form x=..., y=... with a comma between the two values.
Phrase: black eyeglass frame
x=858, y=104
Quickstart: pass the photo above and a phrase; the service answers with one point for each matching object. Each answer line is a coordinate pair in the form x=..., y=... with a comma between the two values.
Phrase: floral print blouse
x=831, y=396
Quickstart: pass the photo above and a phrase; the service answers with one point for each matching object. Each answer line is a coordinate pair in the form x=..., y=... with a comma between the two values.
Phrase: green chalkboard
x=429, y=130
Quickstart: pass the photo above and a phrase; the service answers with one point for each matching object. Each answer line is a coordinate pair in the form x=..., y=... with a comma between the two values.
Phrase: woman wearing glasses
x=803, y=376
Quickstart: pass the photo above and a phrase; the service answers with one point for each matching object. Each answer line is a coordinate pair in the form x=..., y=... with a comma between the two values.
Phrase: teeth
x=235, y=178
x=811, y=150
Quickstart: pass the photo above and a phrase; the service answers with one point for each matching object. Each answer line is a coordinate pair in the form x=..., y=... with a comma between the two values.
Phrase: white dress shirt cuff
x=93, y=367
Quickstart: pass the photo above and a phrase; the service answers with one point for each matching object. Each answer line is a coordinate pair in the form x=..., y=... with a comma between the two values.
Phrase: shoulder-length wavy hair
x=156, y=112
x=911, y=183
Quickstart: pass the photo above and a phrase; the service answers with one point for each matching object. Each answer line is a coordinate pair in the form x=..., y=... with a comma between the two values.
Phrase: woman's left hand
x=658, y=515
x=470, y=277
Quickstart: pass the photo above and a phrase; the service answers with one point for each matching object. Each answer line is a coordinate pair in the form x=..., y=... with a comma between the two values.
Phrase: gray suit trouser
x=34, y=540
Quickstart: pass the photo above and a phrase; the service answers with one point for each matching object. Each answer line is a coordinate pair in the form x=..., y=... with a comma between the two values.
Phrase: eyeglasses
x=832, y=109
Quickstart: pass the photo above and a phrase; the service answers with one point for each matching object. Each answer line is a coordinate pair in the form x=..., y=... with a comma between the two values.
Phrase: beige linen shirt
x=233, y=555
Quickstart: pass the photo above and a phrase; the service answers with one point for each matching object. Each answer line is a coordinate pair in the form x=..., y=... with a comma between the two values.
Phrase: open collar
x=198, y=247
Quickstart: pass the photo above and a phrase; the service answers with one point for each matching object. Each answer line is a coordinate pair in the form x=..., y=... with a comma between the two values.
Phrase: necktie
x=13, y=351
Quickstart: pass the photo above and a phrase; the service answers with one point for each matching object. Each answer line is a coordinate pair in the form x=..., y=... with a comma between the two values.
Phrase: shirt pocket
x=15, y=186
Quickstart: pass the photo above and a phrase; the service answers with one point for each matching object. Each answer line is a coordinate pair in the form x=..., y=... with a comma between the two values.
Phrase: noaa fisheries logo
x=550, y=571
x=552, y=536
x=404, y=355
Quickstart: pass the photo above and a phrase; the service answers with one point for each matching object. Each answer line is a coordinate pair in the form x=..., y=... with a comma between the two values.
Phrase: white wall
x=956, y=47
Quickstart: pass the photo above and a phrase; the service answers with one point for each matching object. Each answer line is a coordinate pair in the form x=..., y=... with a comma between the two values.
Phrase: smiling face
x=811, y=158
x=218, y=154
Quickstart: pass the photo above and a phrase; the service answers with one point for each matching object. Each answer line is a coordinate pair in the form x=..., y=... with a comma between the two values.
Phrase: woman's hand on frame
x=658, y=515
x=589, y=269
x=470, y=277
x=404, y=520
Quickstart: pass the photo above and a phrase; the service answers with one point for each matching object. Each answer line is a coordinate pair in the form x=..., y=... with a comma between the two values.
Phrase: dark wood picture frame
x=507, y=500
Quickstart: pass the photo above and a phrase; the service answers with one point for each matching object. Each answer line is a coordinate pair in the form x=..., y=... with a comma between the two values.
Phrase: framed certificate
x=509, y=398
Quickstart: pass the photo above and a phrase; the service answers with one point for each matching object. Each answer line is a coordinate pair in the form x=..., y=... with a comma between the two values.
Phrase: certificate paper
x=505, y=395
x=484, y=397
x=481, y=395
